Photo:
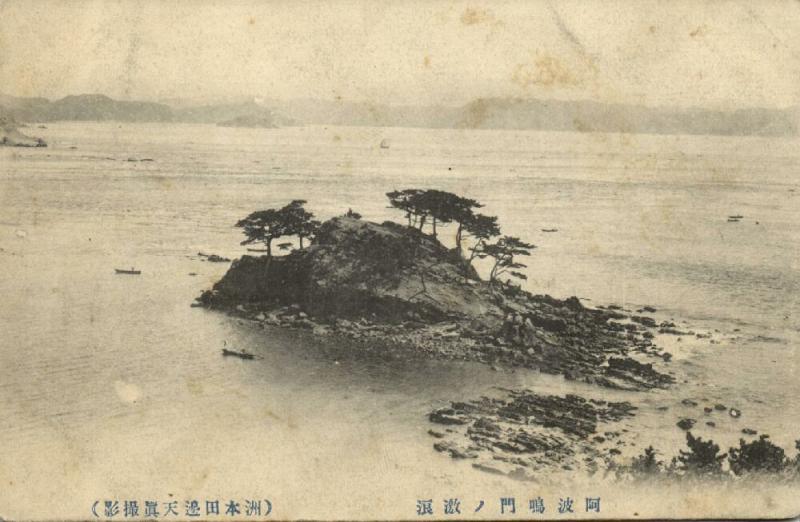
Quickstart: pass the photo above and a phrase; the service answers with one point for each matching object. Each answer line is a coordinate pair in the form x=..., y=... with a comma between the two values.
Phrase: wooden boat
x=549, y=230
x=234, y=353
x=129, y=272
x=737, y=216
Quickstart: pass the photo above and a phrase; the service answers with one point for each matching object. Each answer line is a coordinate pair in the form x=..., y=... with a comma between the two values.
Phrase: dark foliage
x=702, y=458
x=758, y=456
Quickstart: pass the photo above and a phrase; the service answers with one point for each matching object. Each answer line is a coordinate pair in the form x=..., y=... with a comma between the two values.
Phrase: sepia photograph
x=399, y=260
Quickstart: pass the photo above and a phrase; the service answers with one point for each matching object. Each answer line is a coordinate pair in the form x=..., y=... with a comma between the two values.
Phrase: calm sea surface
x=113, y=387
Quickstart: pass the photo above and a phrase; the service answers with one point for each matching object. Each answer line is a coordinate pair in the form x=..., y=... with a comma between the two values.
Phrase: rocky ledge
x=523, y=432
x=11, y=137
x=391, y=287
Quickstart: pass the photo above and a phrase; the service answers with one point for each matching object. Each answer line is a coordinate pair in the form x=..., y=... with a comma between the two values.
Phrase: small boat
x=129, y=272
x=234, y=353
x=737, y=216
x=384, y=144
x=549, y=230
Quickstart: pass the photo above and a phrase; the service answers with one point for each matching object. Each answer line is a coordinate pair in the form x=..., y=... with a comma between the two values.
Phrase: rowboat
x=234, y=353
x=129, y=272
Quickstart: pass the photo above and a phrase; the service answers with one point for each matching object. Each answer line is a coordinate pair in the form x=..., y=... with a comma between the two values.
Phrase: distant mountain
x=587, y=116
x=578, y=116
x=233, y=114
x=329, y=112
x=98, y=107
x=22, y=109
x=253, y=121
x=484, y=113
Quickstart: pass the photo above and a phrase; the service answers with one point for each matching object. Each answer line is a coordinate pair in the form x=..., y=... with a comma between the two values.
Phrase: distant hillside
x=245, y=114
x=484, y=113
x=578, y=116
x=328, y=112
x=97, y=107
x=254, y=121
x=22, y=109
x=586, y=116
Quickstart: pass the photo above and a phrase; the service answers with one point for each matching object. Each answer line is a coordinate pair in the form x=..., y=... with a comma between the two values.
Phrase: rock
x=446, y=416
x=686, y=424
x=213, y=258
x=437, y=434
x=720, y=407
x=241, y=308
x=671, y=331
x=305, y=323
x=487, y=468
x=260, y=316
x=688, y=402
x=453, y=450
x=733, y=412
x=711, y=423
x=320, y=330
x=707, y=409
x=644, y=321
x=748, y=431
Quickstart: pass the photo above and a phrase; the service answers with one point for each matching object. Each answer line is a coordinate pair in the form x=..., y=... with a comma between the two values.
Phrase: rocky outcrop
x=524, y=433
x=11, y=137
x=390, y=284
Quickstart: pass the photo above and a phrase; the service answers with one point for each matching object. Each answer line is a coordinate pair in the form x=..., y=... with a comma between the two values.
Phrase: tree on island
x=265, y=226
x=437, y=205
x=481, y=228
x=301, y=222
x=504, y=251
x=408, y=201
x=441, y=208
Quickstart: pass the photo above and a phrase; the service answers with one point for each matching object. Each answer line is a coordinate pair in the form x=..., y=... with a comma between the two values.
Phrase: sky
x=696, y=53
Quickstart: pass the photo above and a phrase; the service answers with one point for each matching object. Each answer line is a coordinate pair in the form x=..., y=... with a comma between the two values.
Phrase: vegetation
x=433, y=208
x=758, y=456
x=504, y=252
x=301, y=222
x=703, y=458
x=646, y=463
x=438, y=208
x=265, y=226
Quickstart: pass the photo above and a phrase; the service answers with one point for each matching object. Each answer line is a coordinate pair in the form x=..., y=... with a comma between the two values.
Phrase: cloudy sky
x=711, y=54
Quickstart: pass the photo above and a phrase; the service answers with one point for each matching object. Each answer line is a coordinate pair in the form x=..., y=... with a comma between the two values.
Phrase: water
x=113, y=387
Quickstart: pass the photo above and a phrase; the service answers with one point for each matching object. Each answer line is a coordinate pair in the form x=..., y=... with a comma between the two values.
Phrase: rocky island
x=387, y=284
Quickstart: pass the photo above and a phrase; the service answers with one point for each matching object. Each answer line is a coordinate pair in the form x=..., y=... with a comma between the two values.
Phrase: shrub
x=702, y=458
x=758, y=456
